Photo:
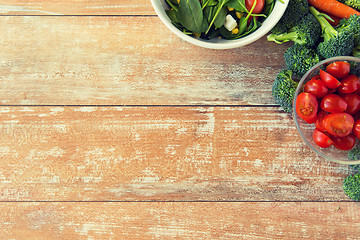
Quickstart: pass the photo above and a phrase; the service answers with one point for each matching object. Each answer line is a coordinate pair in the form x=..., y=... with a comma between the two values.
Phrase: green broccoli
x=351, y=186
x=294, y=12
x=336, y=42
x=356, y=51
x=354, y=154
x=307, y=32
x=284, y=88
x=352, y=24
x=351, y=3
x=300, y=59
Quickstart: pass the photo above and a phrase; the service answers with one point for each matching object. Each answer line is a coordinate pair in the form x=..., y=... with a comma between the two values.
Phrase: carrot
x=333, y=7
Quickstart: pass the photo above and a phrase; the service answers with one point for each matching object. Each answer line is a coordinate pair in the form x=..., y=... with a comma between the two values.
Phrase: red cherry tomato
x=321, y=139
x=307, y=107
x=331, y=90
x=258, y=7
x=329, y=80
x=353, y=102
x=319, y=123
x=339, y=124
x=338, y=69
x=356, y=129
x=316, y=77
x=344, y=143
x=349, y=84
x=316, y=87
x=333, y=103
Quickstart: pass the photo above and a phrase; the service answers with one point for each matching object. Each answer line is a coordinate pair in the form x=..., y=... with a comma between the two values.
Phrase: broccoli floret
x=294, y=12
x=336, y=42
x=284, y=88
x=300, y=59
x=352, y=24
x=356, y=51
x=307, y=32
x=351, y=186
x=354, y=154
x=356, y=167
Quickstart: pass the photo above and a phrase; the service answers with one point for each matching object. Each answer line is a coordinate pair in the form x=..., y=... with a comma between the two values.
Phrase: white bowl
x=279, y=8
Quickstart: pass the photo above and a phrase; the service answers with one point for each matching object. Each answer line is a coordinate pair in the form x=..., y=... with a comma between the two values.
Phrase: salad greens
x=206, y=18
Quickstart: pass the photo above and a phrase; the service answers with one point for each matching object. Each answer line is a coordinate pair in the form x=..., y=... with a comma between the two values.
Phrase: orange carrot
x=333, y=7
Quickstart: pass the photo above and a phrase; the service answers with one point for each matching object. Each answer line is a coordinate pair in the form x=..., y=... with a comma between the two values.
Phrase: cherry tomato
x=356, y=129
x=344, y=143
x=321, y=139
x=339, y=124
x=258, y=7
x=316, y=77
x=333, y=103
x=307, y=107
x=331, y=90
x=316, y=87
x=349, y=84
x=353, y=102
x=338, y=69
x=319, y=123
x=329, y=80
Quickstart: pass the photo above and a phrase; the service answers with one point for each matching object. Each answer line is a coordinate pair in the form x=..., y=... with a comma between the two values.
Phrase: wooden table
x=114, y=128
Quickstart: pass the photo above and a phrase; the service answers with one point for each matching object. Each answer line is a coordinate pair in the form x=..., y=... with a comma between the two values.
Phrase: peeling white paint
x=56, y=110
x=27, y=109
x=92, y=227
x=8, y=9
x=4, y=109
x=60, y=127
x=181, y=131
x=258, y=163
x=86, y=109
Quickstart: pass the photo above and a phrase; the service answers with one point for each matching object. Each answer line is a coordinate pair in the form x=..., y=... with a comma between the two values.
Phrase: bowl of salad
x=326, y=109
x=220, y=24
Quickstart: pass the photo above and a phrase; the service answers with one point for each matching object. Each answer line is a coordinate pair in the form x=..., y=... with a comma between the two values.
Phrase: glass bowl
x=306, y=130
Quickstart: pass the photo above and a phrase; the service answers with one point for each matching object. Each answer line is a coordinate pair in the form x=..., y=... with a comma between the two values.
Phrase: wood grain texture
x=143, y=221
x=76, y=7
x=160, y=153
x=126, y=61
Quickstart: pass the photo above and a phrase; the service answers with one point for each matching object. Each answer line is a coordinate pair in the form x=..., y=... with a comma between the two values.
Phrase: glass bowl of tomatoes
x=326, y=108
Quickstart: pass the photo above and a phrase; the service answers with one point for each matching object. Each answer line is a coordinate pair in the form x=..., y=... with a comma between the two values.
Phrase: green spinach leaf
x=173, y=4
x=269, y=6
x=238, y=5
x=209, y=13
x=172, y=15
x=190, y=15
x=220, y=19
x=242, y=25
x=218, y=8
x=209, y=3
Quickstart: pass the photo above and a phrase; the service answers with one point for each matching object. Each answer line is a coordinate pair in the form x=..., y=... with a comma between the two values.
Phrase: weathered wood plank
x=126, y=60
x=76, y=7
x=179, y=220
x=160, y=153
